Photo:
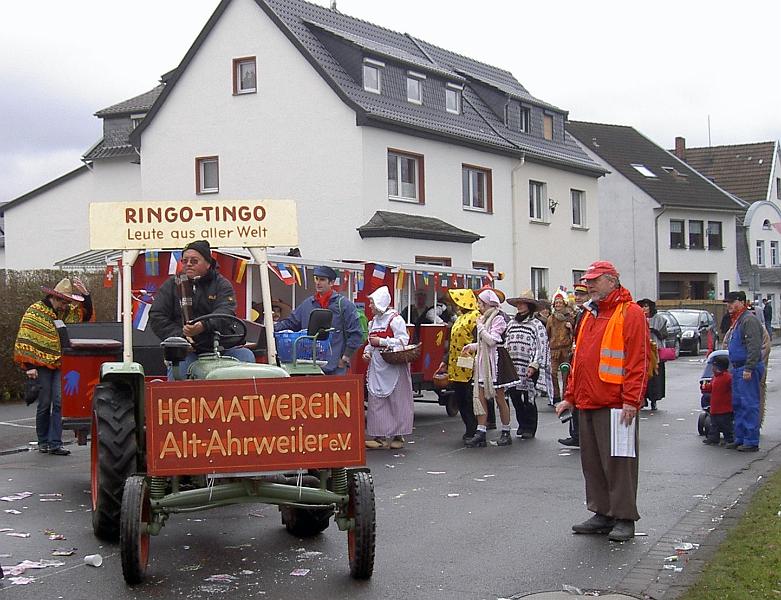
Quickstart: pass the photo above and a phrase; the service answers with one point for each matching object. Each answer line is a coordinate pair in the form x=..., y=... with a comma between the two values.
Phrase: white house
x=394, y=149
x=752, y=172
x=669, y=230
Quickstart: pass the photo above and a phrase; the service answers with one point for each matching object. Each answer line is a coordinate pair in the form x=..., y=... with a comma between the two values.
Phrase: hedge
x=18, y=290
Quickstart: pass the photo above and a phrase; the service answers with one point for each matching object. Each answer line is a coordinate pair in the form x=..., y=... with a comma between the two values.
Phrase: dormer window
x=244, y=76
x=453, y=98
x=643, y=170
x=524, y=120
x=135, y=120
x=372, y=75
x=547, y=127
x=766, y=224
x=415, y=87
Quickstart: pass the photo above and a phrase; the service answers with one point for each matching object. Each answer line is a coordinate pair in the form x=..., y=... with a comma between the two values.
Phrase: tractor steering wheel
x=235, y=339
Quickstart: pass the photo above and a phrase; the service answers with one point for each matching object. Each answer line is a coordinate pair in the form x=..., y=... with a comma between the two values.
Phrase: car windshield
x=687, y=319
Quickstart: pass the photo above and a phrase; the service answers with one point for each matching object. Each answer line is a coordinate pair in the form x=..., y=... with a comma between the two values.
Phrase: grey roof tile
x=136, y=104
x=400, y=225
x=621, y=146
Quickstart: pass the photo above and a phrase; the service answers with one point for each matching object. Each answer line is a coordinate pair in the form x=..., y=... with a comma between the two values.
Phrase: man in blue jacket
x=744, y=342
x=348, y=336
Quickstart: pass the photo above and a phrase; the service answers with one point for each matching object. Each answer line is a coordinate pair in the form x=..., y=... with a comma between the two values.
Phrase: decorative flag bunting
x=152, y=263
x=436, y=280
x=281, y=271
x=306, y=279
x=424, y=274
x=140, y=314
x=490, y=277
x=359, y=281
x=108, y=276
x=239, y=268
x=400, y=278
x=296, y=273
x=174, y=262
x=378, y=274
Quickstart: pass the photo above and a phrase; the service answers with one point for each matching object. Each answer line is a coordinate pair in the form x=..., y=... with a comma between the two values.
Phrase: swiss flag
x=108, y=276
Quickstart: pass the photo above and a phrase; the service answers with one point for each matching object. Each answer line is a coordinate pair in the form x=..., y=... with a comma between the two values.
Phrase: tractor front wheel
x=361, y=537
x=133, y=533
x=305, y=522
x=112, y=456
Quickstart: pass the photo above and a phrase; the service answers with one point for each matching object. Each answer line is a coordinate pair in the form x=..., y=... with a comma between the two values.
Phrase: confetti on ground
x=453, y=495
x=299, y=572
x=56, y=537
x=390, y=466
x=221, y=578
x=196, y=567
x=29, y=564
x=20, y=580
x=55, y=495
x=64, y=552
x=257, y=514
x=17, y=496
x=18, y=534
x=309, y=554
x=436, y=472
x=50, y=499
x=479, y=479
x=13, y=511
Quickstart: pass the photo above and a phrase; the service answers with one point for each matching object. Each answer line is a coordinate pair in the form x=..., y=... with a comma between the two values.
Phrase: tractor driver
x=212, y=293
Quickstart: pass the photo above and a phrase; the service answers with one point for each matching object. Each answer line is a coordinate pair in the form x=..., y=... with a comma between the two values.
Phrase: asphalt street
x=452, y=522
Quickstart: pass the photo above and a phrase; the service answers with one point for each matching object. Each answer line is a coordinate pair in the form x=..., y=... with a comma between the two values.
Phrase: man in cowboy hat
x=39, y=354
x=610, y=372
x=348, y=336
x=212, y=293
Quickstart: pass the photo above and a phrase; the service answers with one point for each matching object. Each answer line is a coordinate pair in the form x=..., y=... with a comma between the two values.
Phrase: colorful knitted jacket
x=37, y=343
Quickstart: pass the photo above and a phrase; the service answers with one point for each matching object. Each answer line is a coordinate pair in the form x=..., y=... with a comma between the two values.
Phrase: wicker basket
x=399, y=357
x=440, y=380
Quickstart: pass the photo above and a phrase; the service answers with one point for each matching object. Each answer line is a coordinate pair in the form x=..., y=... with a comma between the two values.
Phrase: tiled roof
x=102, y=150
x=305, y=24
x=767, y=275
x=400, y=225
x=674, y=184
x=138, y=104
x=743, y=169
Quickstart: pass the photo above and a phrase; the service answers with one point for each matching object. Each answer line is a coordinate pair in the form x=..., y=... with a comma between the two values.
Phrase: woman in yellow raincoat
x=460, y=378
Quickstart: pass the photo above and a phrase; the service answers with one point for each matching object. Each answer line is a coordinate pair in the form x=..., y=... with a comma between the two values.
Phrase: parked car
x=697, y=326
x=674, y=332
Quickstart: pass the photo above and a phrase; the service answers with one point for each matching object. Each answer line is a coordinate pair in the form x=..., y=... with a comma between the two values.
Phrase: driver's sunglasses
x=190, y=261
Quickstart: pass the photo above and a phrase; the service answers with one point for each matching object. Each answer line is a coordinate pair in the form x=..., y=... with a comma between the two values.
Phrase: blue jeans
x=48, y=415
x=241, y=353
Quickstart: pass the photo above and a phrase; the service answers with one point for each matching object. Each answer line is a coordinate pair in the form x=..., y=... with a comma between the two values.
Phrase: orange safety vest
x=611, y=356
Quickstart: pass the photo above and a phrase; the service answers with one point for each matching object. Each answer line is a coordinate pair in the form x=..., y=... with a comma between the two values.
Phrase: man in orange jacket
x=610, y=371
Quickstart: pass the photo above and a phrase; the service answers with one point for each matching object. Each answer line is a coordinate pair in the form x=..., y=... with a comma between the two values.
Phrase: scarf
x=323, y=299
x=38, y=343
x=736, y=315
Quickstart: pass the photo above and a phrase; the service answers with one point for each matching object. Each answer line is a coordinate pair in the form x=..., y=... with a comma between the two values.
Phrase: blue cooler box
x=286, y=339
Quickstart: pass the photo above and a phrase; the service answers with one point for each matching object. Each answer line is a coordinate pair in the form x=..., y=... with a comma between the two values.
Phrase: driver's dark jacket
x=212, y=293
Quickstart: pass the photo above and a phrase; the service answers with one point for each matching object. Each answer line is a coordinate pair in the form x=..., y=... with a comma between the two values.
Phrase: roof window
x=643, y=170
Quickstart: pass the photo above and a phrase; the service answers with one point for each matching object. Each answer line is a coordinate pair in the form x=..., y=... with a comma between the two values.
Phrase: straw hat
x=526, y=297
x=63, y=290
x=499, y=293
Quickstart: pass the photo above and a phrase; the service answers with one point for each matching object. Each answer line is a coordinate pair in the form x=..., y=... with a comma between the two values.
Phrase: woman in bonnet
x=389, y=408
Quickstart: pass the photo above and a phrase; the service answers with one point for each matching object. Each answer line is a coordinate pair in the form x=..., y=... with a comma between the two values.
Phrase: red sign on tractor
x=234, y=426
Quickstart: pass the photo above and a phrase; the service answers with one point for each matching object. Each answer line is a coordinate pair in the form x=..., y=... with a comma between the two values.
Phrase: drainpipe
x=521, y=162
x=656, y=245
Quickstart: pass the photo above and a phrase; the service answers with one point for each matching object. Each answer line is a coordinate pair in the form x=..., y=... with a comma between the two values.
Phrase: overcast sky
x=663, y=67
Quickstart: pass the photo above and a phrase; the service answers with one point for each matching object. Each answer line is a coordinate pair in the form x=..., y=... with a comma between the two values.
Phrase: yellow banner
x=226, y=223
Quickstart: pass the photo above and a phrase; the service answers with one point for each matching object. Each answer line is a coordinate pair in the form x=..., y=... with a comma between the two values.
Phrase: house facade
x=669, y=230
x=395, y=150
x=752, y=172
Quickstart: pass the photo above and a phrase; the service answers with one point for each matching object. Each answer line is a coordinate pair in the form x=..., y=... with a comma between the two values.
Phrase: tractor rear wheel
x=305, y=522
x=361, y=537
x=133, y=534
x=112, y=454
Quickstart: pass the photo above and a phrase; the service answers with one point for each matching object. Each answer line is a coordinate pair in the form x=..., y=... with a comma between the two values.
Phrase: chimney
x=680, y=148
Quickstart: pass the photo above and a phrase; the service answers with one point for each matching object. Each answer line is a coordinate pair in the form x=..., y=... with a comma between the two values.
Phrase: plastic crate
x=286, y=339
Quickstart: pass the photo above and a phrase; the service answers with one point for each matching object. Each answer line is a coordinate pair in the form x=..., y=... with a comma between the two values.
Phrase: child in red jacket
x=720, y=389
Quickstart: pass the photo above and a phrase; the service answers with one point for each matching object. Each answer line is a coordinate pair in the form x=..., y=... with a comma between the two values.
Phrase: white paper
x=622, y=437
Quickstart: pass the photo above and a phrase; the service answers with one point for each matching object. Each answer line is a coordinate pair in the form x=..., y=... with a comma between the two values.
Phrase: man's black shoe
x=505, y=439
x=708, y=442
x=572, y=442
x=596, y=524
x=60, y=451
x=623, y=530
x=745, y=448
x=476, y=441
x=732, y=445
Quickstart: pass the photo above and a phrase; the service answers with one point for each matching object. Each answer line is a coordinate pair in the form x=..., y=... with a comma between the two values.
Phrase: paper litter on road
x=13, y=511
x=435, y=472
x=299, y=572
x=18, y=534
x=50, y=499
x=56, y=537
x=453, y=495
x=308, y=554
x=20, y=580
x=222, y=578
x=54, y=495
x=16, y=496
x=30, y=564
x=63, y=552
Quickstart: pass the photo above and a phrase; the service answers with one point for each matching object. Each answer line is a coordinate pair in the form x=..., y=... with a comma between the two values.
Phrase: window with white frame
x=643, y=170
x=578, y=208
x=760, y=253
x=774, y=254
x=537, y=208
x=453, y=98
x=525, y=117
x=415, y=87
x=539, y=281
x=244, y=75
x=676, y=233
x=372, y=75
x=715, y=241
x=476, y=186
x=207, y=175
x=405, y=176
x=135, y=120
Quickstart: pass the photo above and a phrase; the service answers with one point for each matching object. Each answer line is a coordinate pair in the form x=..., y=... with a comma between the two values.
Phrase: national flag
x=359, y=281
x=152, y=263
x=400, y=279
x=140, y=314
x=108, y=276
x=378, y=273
x=239, y=268
x=297, y=274
x=174, y=262
x=424, y=274
x=281, y=271
x=346, y=280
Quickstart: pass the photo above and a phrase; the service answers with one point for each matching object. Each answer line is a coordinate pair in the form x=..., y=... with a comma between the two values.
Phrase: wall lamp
x=552, y=204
